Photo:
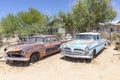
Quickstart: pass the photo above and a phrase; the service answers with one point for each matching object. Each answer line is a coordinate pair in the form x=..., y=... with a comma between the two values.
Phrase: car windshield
x=35, y=39
x=84, y=37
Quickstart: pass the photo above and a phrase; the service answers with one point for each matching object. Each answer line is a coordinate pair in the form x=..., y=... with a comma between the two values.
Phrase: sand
x=106, y=66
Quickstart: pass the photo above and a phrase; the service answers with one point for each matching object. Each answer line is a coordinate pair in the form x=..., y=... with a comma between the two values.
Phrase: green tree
x=67, y=20
x=54, y=24
x=33, y=20
x=89, y=13
x=24, y=23
x=9, y=24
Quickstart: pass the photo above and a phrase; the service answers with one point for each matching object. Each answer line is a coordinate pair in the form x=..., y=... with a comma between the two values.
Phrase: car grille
x=74, y=52
x=78, y=50
x=67, y=49
x=14, y=54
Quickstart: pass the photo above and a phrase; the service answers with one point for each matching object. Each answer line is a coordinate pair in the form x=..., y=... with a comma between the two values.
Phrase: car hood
x=18, y=47
x=82, y=44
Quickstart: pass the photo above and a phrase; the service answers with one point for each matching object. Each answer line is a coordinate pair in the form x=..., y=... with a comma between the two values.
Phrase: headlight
x=22, y=52
x=86, y=49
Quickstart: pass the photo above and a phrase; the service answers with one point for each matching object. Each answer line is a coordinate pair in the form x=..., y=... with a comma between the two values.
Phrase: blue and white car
x=85, y=45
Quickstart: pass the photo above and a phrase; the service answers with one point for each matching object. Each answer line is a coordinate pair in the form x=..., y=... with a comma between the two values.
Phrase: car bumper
x=16, y=58
x=77, y=56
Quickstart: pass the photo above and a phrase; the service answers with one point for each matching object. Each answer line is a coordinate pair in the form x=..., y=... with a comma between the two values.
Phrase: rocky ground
x=106, y=66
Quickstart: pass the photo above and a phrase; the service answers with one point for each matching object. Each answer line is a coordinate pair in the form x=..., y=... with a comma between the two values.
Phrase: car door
x=41, y=46
x=56, y=43
x=98, y=43
x=48, y=45
x=103, y=42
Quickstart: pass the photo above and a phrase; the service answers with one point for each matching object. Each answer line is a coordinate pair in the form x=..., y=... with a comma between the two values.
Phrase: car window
x=98, y=37
x=95, y=37
x=53, y=39
x=40, y=39
x=84, y=37
x=48, y=39
x=32, y=39
x=58, y=39
x=101, y=37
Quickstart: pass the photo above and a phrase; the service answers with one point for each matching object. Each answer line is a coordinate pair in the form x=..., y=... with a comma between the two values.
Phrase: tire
x=94, y=54
x=34, y=58
x=7, y=62
x=88, y=60
x=27, y=63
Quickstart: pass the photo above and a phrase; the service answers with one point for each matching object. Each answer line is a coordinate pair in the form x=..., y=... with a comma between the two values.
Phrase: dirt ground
x=106, y=66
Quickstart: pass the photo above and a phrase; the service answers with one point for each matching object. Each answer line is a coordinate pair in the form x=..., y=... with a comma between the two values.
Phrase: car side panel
x=48, y=48
x=37, y=48
x=57, y=45
x=98, y=46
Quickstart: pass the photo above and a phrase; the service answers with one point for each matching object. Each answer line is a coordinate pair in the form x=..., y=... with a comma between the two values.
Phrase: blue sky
x=45, y=6
x=116, y=6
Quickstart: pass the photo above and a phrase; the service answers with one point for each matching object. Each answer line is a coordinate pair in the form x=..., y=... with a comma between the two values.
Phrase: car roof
x=90, y=33
x=45, y=36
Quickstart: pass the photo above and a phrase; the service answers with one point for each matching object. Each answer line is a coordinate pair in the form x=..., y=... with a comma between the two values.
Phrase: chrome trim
x=73, y=52
x=77, y=56
x=16, y=58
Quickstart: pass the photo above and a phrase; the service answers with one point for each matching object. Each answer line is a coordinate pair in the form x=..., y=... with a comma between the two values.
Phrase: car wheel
x=94, y=53
x=8, y=62
x=88, y=60
x=34, y=58
x=27, y=63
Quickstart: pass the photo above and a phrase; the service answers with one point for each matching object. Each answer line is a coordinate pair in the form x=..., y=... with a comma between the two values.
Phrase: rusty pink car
x=35, y=48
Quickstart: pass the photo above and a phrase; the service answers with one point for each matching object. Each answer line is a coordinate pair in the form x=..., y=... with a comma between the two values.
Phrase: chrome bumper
x=16, y=58
x=77, y=56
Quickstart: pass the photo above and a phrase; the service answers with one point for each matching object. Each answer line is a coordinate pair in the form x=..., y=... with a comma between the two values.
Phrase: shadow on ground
x=76, y=60
x=17, y=63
